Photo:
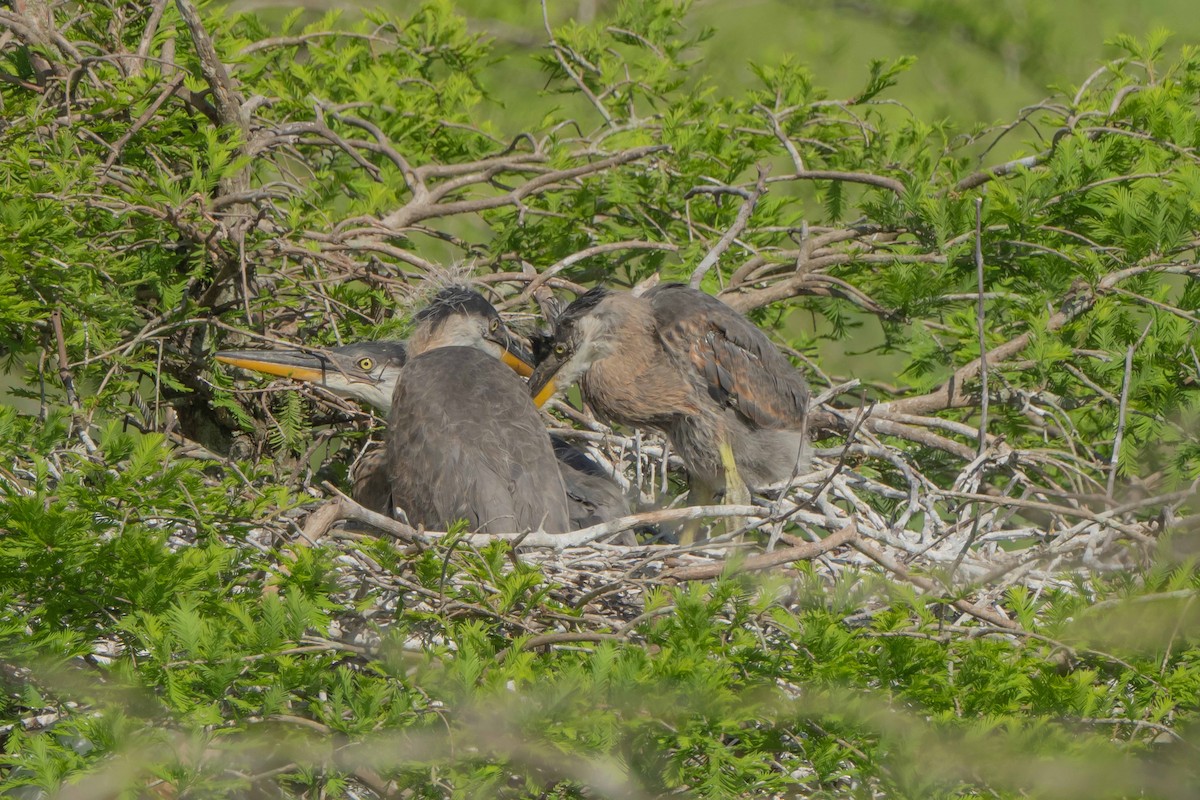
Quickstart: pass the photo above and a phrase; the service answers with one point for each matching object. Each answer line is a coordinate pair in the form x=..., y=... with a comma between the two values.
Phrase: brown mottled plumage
x=683, y=362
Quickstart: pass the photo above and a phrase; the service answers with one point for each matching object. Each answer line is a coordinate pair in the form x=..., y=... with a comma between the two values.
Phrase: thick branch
x=417, y=211
x=225, y=95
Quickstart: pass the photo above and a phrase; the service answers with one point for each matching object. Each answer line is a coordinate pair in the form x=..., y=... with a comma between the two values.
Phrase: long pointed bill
x=545, y=393
x=513, y=353
x=517, y=363
x=286, y=364
x=542, y=384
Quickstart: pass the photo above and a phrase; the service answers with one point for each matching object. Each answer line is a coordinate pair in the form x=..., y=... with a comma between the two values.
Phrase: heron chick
x=368, y=372
x=682, y=362
x=464, y=440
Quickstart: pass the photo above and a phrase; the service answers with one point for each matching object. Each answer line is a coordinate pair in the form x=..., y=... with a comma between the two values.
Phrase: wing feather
x=734, y=360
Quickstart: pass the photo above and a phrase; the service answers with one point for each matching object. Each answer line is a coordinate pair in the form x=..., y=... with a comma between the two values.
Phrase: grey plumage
x=368, y=372
x=465, y=442
x=592, y=496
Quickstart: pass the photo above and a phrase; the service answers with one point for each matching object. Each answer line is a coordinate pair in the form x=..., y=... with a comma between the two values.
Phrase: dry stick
x=319, y=522
x=880, y=181
x=414, y=212
x=349, y=509
x=991, y=173
x=68, y=381
x=735, y=230
x=864, y=411
x=983, y=362
x=1102, y=517
x=747, y=300
x=352, y=510
x=540, y=278
x=983, y=379
x=1116, y=453
x=804, y=551
x=890, y=564
x=558, y=541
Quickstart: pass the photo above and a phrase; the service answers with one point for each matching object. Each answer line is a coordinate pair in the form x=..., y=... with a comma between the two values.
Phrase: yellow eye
x=366, y=364
x=495, y=326
x=560, y=349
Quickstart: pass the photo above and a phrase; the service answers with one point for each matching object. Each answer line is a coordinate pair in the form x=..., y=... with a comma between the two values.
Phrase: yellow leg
x=736, y=491
x=699, y=494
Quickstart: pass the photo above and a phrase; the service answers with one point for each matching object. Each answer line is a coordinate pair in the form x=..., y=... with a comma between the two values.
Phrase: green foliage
x=161, y=627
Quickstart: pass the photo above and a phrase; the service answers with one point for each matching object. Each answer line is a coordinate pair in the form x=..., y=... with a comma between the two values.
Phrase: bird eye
x=495, y=326
x=366, y=364
x=560, y=349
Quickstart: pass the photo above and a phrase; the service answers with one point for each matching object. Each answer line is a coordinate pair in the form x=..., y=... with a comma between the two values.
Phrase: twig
x=735, y=230
x=1116, y=453
x=576, y=77
x=880, y=181
x=801, y=551
x=890, y=564
x=575, y=258
x=983, y=380
x=415, y=211
x=68, y=381
x=979, y=322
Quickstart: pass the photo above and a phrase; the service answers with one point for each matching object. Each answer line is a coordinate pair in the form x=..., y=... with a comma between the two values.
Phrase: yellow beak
x=545, y=394
x=293, y=371
x=516, y=364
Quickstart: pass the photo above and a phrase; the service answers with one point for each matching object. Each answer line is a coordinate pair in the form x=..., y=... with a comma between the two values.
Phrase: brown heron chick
x=682, y=362
x=368, y=372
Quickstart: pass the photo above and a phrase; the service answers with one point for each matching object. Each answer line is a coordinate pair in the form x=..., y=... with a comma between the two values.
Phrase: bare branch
x=799, y=551
x=227, y=99
x=417, y=211
x=735, y=230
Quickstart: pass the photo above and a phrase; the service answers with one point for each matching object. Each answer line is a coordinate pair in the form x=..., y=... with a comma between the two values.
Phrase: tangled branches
x=310, y=186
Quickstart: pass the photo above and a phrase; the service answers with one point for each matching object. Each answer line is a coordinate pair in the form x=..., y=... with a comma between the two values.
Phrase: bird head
x=366, y=372
x=458, y=316
x=588, y=330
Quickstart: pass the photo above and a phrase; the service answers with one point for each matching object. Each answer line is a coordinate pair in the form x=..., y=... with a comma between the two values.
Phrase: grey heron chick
x=464, y=439
x=368, y=372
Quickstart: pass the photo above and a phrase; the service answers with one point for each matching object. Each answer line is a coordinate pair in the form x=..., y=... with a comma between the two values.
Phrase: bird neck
x=454, y=331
